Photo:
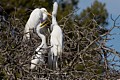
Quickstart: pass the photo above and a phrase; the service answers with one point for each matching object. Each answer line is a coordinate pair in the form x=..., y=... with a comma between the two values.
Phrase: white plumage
x=56, y=40
x=37, y=16
x=39, y=57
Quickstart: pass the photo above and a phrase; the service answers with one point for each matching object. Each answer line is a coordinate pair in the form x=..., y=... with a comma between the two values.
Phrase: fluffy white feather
x=56, y=40
x=37, y=16
x=39, y=57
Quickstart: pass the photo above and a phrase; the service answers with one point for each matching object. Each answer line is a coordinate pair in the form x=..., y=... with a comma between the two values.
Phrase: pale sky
x=113, y=7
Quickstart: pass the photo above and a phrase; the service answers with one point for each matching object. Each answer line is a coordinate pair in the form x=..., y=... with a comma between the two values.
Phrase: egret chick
x=41, y=50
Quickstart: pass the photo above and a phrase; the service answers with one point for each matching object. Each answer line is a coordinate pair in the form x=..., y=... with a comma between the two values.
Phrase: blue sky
x=113, y=7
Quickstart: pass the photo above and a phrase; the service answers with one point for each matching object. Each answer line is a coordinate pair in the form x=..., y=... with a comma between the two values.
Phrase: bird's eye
x=44, y=10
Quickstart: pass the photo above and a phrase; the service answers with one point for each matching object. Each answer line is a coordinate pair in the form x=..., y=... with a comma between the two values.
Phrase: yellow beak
x=48, y=14
x=43, y=24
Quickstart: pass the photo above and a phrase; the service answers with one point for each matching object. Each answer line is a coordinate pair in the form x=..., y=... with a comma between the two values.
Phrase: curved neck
x=42, y=36
x=43, y=44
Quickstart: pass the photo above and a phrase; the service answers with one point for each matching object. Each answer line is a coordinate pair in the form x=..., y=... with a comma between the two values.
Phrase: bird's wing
x=54, y=40
x=55, y=7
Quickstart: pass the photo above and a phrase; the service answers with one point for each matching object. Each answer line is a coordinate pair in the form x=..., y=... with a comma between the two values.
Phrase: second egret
x=56, y=40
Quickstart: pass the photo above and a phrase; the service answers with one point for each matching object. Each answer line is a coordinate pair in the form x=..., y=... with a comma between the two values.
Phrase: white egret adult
x=56, y=40
x=39, y=56
x=37, y=16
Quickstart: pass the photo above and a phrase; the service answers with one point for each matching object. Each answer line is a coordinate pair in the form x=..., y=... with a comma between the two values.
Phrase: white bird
x=39, y=57
x=37, y=16
x=56, y=40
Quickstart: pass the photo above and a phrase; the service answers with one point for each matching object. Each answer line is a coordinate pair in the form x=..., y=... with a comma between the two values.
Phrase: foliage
x=97, y=11
x=22, y=8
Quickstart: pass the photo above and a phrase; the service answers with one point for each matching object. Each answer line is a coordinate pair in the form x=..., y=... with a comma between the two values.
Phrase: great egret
x=39, y=57
x=37, y=16
x=56, y=40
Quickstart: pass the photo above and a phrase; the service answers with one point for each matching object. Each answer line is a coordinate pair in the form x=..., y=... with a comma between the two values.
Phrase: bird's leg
x=55, y=62
x=50, y=60
x=60, y=61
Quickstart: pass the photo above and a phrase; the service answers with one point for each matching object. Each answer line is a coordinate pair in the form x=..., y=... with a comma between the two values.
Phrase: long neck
x=54, y=21
x=43, y=44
